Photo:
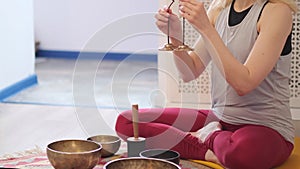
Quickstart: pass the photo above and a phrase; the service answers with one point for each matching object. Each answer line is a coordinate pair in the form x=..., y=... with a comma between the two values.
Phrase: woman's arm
x=274, y=27
x=190, y=65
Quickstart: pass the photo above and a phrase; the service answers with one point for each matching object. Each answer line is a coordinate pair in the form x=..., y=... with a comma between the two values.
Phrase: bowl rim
x=83, y=152
x=140, y=158
x=106, y=142
x=162, y=150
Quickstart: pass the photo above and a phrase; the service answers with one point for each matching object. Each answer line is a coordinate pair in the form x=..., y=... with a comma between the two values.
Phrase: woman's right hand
x=162, y=17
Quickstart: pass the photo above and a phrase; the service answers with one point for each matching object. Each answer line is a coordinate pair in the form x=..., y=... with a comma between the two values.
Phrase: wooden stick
x=135, y=120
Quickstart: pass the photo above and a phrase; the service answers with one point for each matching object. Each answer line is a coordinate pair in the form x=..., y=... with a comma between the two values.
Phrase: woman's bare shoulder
x=274, y=9
x=276, y=13
x=277, y=7
x=214, y=10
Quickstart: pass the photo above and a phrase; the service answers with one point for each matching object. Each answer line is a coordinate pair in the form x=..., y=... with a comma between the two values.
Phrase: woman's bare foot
x=204, y=132
x=210, y=156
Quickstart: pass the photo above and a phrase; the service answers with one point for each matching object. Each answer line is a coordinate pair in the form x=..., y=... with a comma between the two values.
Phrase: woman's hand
x=195, y=13
x=162, y=19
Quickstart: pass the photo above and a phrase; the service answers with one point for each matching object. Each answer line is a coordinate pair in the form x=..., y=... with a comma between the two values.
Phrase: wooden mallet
x=135, y=144
x=135, y=121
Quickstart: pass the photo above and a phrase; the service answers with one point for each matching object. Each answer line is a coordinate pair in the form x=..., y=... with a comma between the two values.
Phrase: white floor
x=46, y=112
x=23, y=127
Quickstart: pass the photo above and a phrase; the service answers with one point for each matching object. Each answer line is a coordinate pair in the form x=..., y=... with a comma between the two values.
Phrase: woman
x=249, y=126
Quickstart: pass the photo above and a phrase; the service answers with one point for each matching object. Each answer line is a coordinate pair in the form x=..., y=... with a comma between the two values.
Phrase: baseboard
x=295, y=113
x=15, y=88
x=95, y=55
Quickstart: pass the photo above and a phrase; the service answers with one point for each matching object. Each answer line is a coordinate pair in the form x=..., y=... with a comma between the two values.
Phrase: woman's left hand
x=195, y=13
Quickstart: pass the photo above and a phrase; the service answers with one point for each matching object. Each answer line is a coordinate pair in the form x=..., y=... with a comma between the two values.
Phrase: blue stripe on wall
x=96, y=55
x=13, y=89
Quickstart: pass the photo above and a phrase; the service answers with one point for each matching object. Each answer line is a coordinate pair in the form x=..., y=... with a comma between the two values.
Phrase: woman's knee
x=123, y=122
x=250, y=147
x=238, y=159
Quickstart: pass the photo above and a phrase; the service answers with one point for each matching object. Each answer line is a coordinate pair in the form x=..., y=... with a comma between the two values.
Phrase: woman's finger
x=162, y=16
x=164, y=13
x=186, y=5
x=187, y=9
x=167, y=9
x=160, y=24
x=192, y=2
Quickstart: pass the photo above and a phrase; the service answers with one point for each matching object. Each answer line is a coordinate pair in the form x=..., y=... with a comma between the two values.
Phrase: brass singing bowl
x=110, y=144
x=140, y=163
x=74, y=154
x=163, y=154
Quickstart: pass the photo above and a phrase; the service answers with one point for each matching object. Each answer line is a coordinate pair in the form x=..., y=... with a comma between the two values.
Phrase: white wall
x=16, y=42
x=68, y=24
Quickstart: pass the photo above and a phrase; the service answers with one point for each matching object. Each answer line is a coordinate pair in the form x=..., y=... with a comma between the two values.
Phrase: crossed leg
x=168, y=128
x=246, y=146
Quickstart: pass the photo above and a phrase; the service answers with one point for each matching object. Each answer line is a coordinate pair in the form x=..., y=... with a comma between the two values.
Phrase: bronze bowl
x=140, y=163
x=74, y=154
x=110, y=144
x=163, y=154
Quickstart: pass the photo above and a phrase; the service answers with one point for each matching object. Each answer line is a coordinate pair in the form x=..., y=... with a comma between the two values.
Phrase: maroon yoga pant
x=236, y=146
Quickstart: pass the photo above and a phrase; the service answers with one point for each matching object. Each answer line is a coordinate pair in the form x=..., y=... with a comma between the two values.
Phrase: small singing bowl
x=110, y=144
x=71, y=154
x=164, y=154
x=140, y=163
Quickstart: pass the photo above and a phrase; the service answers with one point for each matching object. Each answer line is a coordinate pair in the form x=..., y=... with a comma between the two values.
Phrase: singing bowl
x=110, y=144
x=74, y=154
x=163, y=154
x=140, y=163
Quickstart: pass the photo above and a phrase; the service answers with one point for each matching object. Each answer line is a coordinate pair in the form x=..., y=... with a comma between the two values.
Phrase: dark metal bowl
x=70, y=154
x=164, y=154
x=140, y=163
x=110, y=144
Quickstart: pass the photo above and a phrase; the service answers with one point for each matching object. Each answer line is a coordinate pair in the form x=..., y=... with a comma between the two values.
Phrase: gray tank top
x=266, y=105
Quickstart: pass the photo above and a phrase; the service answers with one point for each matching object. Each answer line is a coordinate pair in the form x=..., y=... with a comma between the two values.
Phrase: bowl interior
x=105, y=139
x=110, y=144
x=140, y=163
x=74, y=146
x=164, y=154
